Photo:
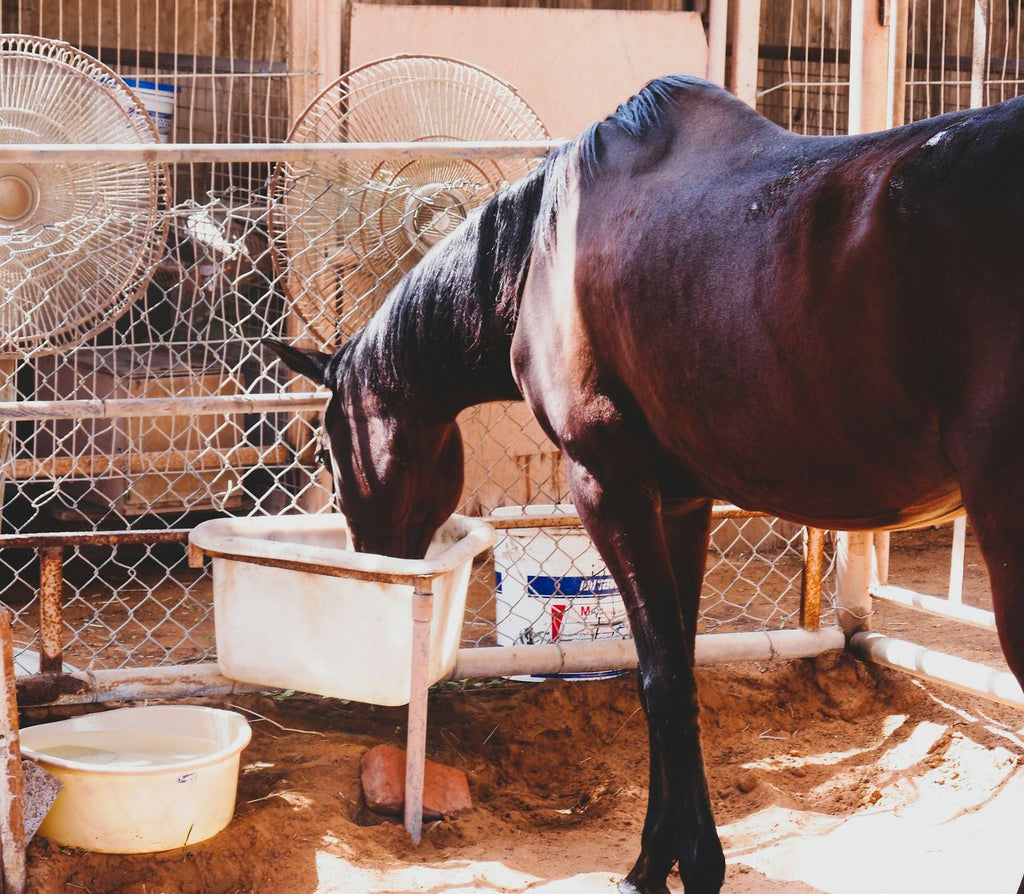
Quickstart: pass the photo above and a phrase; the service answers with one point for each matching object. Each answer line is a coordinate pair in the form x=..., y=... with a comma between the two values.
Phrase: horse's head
x=397, y=475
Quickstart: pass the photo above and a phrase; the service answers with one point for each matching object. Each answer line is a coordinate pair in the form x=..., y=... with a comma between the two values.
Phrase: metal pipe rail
x=929, y=664
x=184, y=153
x=123, y=408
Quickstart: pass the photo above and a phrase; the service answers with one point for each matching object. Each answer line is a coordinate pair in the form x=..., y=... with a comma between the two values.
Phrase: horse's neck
x=441, y=345
x=444, y=337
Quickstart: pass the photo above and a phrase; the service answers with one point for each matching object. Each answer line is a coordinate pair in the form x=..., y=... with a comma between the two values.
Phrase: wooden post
x=869, y=65
x=12, y=800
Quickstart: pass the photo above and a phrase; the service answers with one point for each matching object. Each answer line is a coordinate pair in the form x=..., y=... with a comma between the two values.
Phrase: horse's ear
x=311, y=364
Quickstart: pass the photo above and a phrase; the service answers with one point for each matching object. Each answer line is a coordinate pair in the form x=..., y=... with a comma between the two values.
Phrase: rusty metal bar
x=126, y=684
x=92, y=538
x=383, y=577
x=572, y=520
x=51, y=620
x=810, y=582
x=123, y=408
x=92, y=466
x=12, y=800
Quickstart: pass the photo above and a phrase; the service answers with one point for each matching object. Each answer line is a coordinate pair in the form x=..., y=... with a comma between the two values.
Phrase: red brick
x=445, y=789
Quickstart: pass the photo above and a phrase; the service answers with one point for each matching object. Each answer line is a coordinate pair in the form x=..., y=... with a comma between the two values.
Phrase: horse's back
x=781, y=311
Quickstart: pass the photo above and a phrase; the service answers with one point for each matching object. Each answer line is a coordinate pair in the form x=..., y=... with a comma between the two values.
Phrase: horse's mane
x=449, y=309
x=637, y=117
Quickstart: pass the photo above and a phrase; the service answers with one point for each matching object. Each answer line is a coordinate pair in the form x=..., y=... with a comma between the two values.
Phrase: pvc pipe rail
x=126, y=684
x=936, y=605
x=928, y=664
x=620, y=654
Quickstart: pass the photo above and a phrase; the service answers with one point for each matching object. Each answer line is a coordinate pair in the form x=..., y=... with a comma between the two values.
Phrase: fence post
x=416, y=736
x=51, y=591
x=718, y=33
x=12, y=800
x=746, y=26
x=853, y=570
x=869, y=65
x=979, y=54
x=810, y=585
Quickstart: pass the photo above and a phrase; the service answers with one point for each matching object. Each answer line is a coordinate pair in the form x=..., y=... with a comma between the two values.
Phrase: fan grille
x=78, y=241
x=349, y=230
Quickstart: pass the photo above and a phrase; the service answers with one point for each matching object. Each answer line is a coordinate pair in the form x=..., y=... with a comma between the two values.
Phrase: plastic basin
x=304, y=627
x=138, y=780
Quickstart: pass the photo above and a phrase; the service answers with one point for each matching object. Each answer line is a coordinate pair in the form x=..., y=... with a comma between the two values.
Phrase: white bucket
x=159, y=102
x=553, y=586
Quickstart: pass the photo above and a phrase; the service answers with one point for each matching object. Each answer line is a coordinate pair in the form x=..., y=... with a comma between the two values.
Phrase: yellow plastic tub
x=138, y=780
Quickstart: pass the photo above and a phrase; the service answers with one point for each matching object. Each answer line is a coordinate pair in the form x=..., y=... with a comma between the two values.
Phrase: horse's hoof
x=627, y=887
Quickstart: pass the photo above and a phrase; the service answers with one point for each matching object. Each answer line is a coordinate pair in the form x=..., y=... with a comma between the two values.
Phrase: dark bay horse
x=697, y=304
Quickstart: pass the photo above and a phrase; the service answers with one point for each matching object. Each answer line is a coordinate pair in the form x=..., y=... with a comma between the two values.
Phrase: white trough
x=295, y=608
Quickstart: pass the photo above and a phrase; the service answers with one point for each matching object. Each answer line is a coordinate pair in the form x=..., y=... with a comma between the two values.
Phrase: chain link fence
x=193, y=338
x=112, y=449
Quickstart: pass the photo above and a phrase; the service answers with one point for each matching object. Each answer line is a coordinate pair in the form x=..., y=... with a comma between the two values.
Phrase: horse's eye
x=324, y=458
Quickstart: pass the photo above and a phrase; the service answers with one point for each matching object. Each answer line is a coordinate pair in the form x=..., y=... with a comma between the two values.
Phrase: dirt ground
x=826, y=775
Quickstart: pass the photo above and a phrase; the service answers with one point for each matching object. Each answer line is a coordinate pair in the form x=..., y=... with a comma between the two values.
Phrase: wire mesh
x=941, y=64
x=194, y=333
x=804, y=65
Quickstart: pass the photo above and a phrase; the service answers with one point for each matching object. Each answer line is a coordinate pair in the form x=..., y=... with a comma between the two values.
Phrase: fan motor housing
x=19, y=193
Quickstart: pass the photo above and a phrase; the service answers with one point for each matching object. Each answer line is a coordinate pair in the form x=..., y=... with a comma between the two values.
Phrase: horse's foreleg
x=622, y=515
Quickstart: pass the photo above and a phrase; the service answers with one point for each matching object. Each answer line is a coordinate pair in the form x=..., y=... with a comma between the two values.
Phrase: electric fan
x=78, y=241
x=347, y=230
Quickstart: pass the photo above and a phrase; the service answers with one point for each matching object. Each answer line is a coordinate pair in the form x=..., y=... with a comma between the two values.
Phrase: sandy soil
x=826, y=775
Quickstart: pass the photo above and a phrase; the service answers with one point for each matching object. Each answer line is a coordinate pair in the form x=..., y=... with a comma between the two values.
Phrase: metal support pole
x=853, y=565
x=12, y=800
x=51, y=593
x=979, y=54
x=746, y=25
x=416, y=739
x=810, y=585
x=718, y=34
x=956, y=560
x=881, y=541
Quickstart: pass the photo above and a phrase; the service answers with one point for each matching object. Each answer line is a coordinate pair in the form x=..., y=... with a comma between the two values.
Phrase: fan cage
x=338, y=220
x=83, y=239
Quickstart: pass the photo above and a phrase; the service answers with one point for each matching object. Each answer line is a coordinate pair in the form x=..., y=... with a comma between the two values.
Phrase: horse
x=697, y=304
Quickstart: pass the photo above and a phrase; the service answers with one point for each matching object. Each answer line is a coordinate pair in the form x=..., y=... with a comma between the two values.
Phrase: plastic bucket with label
x=553, y=586
x=159, y=102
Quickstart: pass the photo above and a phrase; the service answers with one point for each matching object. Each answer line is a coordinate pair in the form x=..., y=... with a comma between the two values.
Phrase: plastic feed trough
x=138, y=780
x=294, y=608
